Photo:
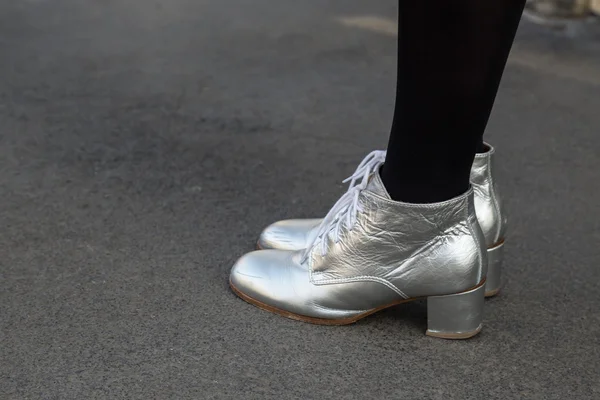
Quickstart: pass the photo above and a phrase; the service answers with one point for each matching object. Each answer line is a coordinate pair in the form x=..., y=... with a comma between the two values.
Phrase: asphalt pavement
x=144, y=144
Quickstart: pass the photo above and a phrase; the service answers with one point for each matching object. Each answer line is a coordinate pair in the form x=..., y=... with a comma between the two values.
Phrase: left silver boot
x=370, y=253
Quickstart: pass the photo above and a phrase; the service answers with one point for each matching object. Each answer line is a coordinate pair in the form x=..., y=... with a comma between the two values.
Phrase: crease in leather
x=394, y=251
x=416, y=248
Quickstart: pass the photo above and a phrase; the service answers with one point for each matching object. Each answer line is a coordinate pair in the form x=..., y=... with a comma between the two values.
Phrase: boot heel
x=456, y=316
x=495, y=257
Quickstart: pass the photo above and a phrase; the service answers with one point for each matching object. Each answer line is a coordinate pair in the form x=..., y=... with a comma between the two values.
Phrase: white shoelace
x=345, y=210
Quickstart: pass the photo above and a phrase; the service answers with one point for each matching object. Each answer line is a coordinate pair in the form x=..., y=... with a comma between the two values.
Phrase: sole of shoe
x=351, y=320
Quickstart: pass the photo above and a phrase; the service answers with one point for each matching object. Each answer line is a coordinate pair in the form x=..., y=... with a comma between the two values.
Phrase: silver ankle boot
x=295, y=234
x=370, y=253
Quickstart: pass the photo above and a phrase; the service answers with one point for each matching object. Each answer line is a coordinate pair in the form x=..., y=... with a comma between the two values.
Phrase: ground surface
x=144, y=144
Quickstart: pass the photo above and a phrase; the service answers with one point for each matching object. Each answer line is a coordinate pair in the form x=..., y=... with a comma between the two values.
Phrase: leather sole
x=351, y=320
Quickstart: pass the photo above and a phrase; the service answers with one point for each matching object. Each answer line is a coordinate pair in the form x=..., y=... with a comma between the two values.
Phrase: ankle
x=423, y=190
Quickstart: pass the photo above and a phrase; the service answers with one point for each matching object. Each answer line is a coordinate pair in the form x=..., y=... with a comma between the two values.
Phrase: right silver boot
x=295, y=234
x=370, y=253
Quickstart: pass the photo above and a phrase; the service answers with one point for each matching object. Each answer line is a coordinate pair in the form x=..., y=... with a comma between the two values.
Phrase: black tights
x=451, y=55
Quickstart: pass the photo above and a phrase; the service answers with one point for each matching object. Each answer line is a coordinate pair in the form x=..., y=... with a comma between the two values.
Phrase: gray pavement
x=144, y=144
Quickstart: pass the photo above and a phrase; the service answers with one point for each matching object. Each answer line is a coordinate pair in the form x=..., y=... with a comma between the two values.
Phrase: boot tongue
x=376, y=186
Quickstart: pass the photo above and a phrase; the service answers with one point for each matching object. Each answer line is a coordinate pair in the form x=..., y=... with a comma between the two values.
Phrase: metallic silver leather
x=295, y=234
x=400, y=243
x=456, y=316
x=495, y=258
x=290, y=234
x=277, y=278
x=394, y=251
x=489, y=207
x=491, y=215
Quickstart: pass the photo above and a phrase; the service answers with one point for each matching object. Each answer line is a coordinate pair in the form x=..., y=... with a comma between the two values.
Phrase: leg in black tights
x=451, y=55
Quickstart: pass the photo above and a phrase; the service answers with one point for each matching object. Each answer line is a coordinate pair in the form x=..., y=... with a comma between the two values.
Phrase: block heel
x=495, y=259
x=456, y=316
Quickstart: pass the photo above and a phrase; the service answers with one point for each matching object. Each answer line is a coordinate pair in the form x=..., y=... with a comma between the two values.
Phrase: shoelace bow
x=344, y=212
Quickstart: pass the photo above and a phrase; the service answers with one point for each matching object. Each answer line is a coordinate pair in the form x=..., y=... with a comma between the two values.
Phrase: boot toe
x=261, y=274
x=292, y=234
